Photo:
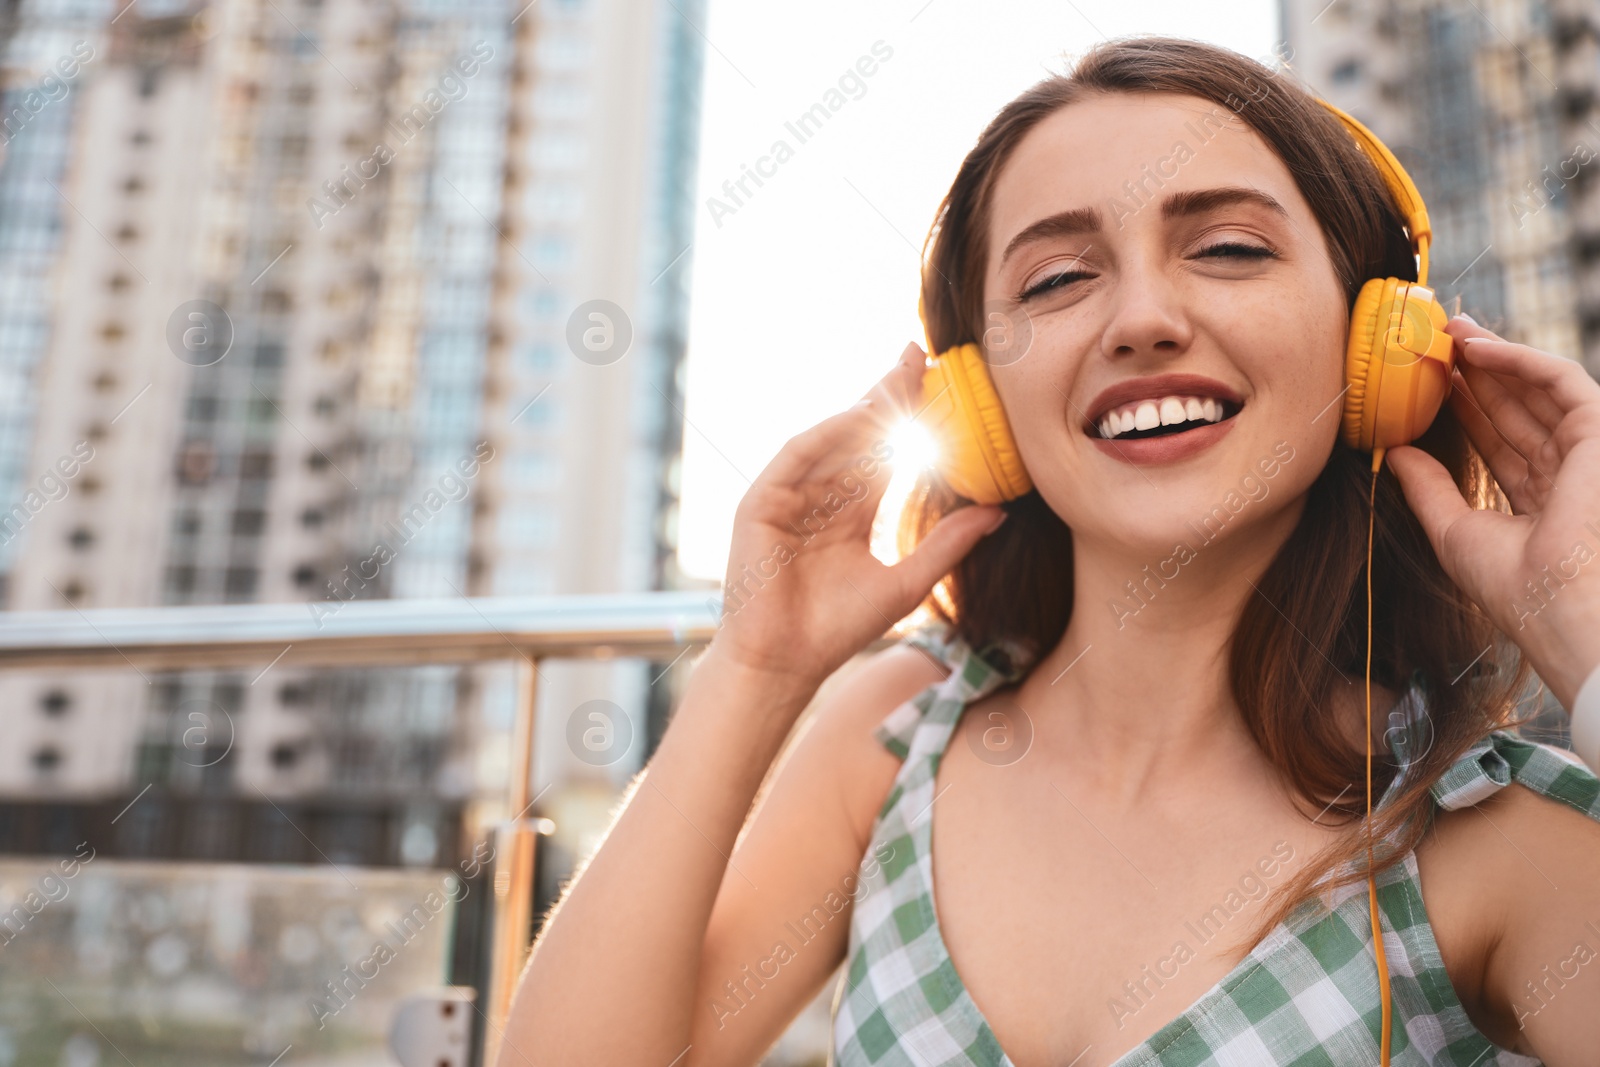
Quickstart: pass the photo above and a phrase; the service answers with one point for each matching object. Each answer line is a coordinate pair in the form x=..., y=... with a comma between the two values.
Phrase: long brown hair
x=1015, y=589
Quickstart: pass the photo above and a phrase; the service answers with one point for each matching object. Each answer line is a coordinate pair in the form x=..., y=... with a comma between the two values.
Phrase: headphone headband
x=1404, y=190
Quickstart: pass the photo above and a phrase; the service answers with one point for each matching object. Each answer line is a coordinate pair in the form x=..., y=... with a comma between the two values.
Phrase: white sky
x=806, y=294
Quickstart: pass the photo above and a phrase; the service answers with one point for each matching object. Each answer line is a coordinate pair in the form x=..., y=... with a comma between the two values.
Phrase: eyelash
x=1232, y=249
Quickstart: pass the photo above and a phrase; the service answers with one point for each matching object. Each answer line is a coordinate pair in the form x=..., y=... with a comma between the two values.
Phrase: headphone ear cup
x=1361, y=376
x=977, y=454
x=1398, y=364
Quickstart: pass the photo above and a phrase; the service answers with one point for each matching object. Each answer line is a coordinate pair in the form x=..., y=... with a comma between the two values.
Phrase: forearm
x=624, y=946
x=1563, y=649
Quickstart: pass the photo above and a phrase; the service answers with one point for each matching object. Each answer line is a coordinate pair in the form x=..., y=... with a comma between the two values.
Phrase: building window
x=197, y=461
x=249, y=522
x=46, y=759
x=81, y=538
x=255, y=464
x=55, y=702
x=180, y=580
x=239, y=583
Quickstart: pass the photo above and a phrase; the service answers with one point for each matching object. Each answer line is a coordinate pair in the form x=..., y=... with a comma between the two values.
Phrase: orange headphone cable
x=1372, y=882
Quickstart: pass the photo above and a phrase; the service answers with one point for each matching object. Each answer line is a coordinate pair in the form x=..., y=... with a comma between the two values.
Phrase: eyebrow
x=1175, y=205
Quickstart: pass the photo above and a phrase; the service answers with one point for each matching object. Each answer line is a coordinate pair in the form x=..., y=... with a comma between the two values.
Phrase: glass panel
x=212, y=965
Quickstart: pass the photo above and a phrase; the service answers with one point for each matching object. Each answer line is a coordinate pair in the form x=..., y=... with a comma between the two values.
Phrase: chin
x=1213, y=509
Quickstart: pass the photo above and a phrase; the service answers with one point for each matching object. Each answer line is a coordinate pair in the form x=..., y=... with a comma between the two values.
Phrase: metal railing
x=524, y=630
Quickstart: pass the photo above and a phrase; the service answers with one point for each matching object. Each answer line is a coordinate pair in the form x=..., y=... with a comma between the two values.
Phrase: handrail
x=400, y=632
x=391, y=632
x=362, y=632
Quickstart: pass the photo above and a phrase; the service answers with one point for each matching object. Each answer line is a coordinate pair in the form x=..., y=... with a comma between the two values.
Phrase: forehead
x=1097, y=152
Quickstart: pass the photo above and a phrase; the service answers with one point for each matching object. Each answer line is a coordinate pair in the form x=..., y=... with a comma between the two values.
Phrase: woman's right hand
x=803, y=592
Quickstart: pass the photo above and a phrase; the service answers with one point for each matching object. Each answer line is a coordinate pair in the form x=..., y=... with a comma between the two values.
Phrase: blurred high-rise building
x=322, y=300
x=1494, y=108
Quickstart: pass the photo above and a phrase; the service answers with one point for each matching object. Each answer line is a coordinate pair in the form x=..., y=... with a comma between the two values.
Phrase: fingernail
x=1469, y=318
x=1004, y=515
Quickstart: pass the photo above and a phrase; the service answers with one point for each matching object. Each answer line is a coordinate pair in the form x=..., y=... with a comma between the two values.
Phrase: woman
x=1148, y=766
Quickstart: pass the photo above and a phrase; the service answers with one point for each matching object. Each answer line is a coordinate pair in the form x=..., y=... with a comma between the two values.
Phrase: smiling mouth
x=1164, y=417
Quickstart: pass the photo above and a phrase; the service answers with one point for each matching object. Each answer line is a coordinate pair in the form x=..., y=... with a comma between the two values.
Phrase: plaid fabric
x=1307, y=995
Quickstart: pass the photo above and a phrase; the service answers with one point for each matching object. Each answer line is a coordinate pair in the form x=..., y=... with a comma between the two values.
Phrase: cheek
x=1307, y=397
x=1035, y=395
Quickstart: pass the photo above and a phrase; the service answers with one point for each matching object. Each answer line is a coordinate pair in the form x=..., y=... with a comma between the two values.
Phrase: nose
x=1148, y=318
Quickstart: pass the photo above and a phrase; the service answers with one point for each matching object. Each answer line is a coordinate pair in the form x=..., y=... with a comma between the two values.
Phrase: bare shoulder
x=839, y=730
x=803, y=846
x=1510, y=884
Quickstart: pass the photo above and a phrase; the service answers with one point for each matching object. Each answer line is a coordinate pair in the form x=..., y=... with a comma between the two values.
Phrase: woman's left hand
x=1535, y=419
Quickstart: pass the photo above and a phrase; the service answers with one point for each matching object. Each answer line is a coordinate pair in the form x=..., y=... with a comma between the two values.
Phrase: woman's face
x=1137, y=237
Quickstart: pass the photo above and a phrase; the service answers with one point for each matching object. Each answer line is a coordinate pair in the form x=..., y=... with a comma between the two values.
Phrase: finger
x=936, y=555
x=1510, y=468
x=1562, y=380
x=802, y=454
x=848, y=432
x=904, y=381
x=1430, y=491
x=1538, y=401
x=1503, y=415
x=1500, y=429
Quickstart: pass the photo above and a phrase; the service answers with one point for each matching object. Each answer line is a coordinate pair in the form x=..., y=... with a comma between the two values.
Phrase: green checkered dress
x=1307, y=995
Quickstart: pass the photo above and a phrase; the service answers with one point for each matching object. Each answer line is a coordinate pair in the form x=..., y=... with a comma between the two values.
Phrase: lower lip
x=1147, y=450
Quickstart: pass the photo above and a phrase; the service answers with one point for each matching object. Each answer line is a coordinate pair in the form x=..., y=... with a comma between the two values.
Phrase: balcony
x=231, y=962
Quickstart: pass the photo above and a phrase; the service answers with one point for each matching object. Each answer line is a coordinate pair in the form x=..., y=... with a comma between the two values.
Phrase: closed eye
x=1055, y=281
x=1222, y=250
x=1237, y=250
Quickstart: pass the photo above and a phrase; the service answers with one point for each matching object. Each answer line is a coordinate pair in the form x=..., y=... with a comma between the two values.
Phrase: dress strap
x=1501, y=757
x=934, y=711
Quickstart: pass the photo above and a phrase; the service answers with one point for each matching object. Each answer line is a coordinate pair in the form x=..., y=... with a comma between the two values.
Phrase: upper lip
x=1156, y=387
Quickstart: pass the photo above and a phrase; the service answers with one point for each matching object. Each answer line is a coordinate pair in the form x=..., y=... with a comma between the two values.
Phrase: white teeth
x=1166, y=411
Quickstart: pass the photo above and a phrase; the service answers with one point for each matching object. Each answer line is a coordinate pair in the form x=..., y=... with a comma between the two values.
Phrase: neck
x=1139, y=682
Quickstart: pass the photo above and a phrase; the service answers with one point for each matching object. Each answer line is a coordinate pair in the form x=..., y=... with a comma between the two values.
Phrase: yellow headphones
x=1398, y=365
